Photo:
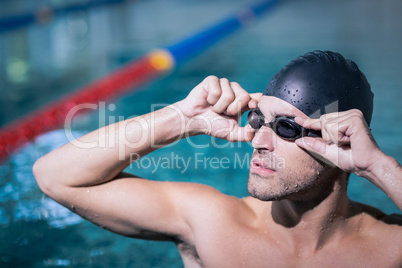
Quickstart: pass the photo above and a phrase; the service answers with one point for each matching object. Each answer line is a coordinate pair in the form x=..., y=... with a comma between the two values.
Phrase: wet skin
x=297, y=215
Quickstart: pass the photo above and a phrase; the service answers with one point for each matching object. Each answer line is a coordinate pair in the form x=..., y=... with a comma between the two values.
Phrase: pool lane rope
x=127, y=78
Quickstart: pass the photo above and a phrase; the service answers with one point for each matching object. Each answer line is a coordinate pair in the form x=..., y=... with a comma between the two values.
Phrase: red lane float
x=129, y=77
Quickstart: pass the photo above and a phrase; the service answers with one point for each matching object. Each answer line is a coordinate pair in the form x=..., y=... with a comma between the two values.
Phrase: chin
x=269, y=196
x=268, y=189
x=276, y=188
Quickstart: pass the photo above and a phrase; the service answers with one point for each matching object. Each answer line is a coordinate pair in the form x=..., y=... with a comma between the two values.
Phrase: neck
x=308, y=224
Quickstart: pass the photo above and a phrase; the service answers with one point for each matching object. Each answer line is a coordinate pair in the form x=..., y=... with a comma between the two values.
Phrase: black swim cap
x=323, y=82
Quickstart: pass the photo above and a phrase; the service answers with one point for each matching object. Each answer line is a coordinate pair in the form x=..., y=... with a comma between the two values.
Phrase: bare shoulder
x=394, y=220
x=202, y=200
x=374, y=231
x=378, y=230
x=208, y=211
x=375, y=215
x=193, y=202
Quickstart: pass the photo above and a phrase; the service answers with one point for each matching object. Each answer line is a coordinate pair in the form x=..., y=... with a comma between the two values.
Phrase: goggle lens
x=255, y=118
x=284, y=127
x=287, y=129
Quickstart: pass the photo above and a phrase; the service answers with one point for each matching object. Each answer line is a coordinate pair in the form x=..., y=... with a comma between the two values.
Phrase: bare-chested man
x=313, y=114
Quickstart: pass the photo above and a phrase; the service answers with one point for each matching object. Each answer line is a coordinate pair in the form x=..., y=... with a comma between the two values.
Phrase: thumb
x=325, y=152
x=312, y=144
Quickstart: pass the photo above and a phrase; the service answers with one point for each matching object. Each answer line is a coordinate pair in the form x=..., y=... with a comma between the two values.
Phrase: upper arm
x=136, y=207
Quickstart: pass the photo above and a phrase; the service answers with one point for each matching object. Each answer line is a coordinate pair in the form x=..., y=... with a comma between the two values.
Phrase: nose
x=264, y=138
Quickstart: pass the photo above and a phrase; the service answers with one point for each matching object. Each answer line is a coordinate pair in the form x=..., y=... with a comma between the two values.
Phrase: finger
x=318, y=123
x=337, y=127
x=226, y=98
x=352, y=123
x=241, y=101
x=332, y=132
x=325, y=136
x=344, y=133
x=256, y=96
x=313, y=123
x=342, y=114
x=328, y=124
x=312, y=144
x=338, y=132
x=255, y=99
x=212, y=86
x=241, y=133
x=308, y=123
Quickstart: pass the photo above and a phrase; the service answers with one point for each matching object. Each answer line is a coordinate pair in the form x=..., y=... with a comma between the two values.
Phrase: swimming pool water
x=79, y=47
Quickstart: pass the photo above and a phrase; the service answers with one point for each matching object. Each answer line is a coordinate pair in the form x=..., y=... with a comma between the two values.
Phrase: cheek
x=299, y=160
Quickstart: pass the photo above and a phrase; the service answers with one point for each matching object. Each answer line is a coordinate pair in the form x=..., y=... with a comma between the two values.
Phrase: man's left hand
x=346, y=141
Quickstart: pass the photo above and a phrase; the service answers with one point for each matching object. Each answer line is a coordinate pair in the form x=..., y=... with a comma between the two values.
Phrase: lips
x=261, y=163
x=258, y=165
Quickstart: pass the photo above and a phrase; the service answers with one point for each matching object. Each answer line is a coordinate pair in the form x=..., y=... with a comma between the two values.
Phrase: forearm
x=387, y=175
x=102, y=154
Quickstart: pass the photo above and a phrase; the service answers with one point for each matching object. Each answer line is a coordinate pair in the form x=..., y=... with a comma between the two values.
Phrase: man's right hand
x=215, y=106
x=90, y=181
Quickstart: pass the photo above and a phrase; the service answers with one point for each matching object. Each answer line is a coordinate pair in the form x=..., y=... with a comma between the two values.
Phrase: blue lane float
x=186, y=48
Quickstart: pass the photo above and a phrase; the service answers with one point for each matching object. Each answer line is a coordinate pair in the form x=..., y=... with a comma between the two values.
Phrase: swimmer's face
x=280, y=169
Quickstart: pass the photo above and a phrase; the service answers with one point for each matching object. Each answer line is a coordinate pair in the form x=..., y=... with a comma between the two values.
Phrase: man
x=298, y=214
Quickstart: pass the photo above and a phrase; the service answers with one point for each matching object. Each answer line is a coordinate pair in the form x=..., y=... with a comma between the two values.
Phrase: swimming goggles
x=283, y=126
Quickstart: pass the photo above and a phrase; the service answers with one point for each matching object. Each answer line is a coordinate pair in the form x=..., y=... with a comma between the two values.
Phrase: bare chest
x=250, y=249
